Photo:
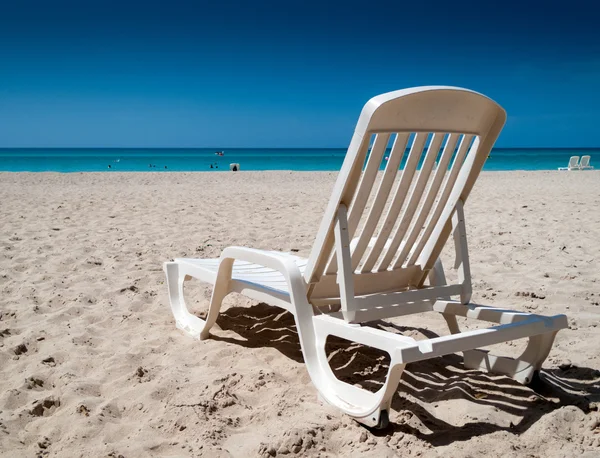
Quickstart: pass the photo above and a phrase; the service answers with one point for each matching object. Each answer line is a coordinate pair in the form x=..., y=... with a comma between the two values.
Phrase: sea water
x=205, y=159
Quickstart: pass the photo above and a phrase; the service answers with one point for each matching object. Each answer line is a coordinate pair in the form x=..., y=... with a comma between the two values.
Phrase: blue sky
x=285, y=73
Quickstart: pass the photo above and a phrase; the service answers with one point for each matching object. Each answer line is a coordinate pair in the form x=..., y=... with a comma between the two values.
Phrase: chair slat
x=413, y=200
x=447, y=188
x=432, y=193
x=343, y=191
x=364, y=189
x=419, y=112
x=467, y=175
x=435, y=215
x=399, y=196
x=366, y=182
x=381, y=197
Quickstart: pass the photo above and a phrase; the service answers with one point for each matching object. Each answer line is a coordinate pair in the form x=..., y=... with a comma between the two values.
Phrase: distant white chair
x=391, y=268
x=573, y=164
x=585, y=163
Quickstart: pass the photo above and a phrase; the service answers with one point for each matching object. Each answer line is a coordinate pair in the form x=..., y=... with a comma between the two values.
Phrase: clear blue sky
x=285, y=73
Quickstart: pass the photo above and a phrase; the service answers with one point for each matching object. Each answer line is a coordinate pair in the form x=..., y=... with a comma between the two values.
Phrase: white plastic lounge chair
x=585, y=163
x=573, y=164
x=384, y=271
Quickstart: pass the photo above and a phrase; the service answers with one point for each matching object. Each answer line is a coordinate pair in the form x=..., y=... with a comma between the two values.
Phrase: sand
x=91, y=363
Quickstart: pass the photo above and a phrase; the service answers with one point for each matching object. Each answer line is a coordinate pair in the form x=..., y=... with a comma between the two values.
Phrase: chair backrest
x=397, y=241
x=585, y=161
x=574, y=161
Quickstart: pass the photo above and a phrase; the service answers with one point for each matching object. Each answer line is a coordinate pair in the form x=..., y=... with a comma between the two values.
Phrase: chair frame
x=346, y=315
x=574, y=166
x=584, y=163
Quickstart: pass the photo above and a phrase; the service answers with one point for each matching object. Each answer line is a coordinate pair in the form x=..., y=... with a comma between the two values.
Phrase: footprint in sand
x=20, y=349
x=45, y=407
x=32, y=383
x=50, y=361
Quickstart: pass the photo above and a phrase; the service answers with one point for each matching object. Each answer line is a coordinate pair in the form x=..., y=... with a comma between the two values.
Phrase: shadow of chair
x=423, y=383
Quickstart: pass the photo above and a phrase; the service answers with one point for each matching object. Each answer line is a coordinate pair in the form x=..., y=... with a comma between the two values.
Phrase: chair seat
x=245, y=272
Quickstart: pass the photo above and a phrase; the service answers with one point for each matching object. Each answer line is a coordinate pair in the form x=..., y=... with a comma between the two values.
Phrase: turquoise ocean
x=201, y=159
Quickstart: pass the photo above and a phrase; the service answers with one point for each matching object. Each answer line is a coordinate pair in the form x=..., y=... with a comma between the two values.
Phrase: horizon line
x=256, y=147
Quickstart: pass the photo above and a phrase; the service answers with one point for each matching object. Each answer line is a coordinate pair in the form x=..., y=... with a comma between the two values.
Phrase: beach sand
x=91, y=363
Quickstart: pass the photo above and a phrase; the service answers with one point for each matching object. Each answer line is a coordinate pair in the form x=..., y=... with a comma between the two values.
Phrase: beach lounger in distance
x=371, y=262
x=585, y=163
x=573, y=164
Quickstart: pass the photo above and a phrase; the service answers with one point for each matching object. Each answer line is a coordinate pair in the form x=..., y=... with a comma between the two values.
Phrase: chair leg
x=522, y=368
x=370, y=409
x=438, y=278
x=220, y=291
x=187, y=322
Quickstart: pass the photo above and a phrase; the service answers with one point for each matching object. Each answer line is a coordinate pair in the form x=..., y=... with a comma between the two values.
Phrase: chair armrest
x=274, y=261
